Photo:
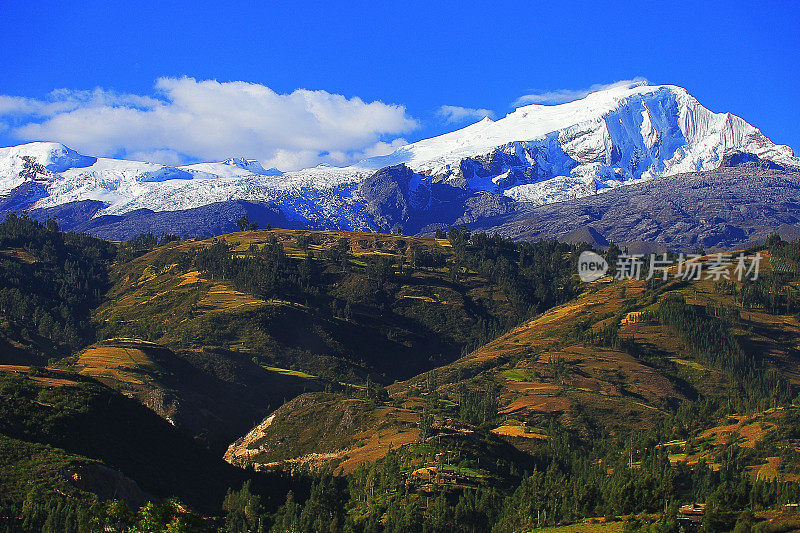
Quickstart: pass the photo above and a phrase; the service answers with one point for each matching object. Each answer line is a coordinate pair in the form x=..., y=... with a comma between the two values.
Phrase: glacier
x=537, y=154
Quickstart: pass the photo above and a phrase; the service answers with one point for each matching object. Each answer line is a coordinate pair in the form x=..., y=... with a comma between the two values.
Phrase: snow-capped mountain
x=233, y=167
x=538, y=154
x=547, y=153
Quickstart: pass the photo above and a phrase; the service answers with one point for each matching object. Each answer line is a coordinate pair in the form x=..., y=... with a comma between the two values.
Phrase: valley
x=392, y=380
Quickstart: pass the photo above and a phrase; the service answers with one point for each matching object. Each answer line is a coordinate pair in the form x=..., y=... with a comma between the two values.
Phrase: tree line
x=50, y=280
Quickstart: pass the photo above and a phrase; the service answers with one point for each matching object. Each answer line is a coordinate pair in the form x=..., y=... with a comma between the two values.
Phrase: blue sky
x=384, y=69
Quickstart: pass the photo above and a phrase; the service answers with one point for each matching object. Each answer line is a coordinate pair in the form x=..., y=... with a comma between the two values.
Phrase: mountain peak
x=239, y=161
x=53, y=156
x=253, y=165
x=621, y=134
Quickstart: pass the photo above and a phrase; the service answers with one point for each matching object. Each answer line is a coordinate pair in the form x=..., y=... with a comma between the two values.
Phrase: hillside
x=718, y=210
x=338, y=305
x=618, y=373
x=210, y=393
x=187, y=332
x=96, y=441
x=389, y=381
x=49, y=284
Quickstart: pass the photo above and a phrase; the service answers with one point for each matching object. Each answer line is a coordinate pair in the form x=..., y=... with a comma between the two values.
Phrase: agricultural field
x=597, y=526
x=557, y=366
x=466, y=379
x=161, y=296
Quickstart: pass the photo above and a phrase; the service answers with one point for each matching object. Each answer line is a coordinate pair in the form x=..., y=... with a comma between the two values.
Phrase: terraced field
x=424, y=371
x=118, y=361
x=413, y=321
x=551, y=368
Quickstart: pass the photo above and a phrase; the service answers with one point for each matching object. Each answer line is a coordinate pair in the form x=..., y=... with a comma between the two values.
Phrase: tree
x=243, y=223
x=745, y=523
x=288, y=516
x=242, y=509
x=51, y=225
x=153, y=517
x=426, y=421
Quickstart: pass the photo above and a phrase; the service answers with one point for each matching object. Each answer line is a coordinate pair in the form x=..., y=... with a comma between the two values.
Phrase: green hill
x=460, y=383
x=676, y=391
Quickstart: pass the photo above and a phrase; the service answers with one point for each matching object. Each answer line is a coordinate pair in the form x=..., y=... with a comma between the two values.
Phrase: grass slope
x=406, y=325
x=595, y=365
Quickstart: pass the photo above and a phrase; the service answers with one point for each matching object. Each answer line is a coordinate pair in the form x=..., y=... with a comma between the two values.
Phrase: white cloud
x=561, y=96
x=384, y=148
x=211, y=120
x=453, y=114
x=65, y=100
x=16, y=105
x=165, y=157
x=377, y=149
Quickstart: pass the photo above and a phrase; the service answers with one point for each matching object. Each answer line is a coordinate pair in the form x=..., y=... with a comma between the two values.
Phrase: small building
x=691, y=515
x=694, y=509
x=632, y=318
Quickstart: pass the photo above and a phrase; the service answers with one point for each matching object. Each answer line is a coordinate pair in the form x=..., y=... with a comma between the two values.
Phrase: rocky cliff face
x=397, y=198
x=723, y=209
x=386, y=196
